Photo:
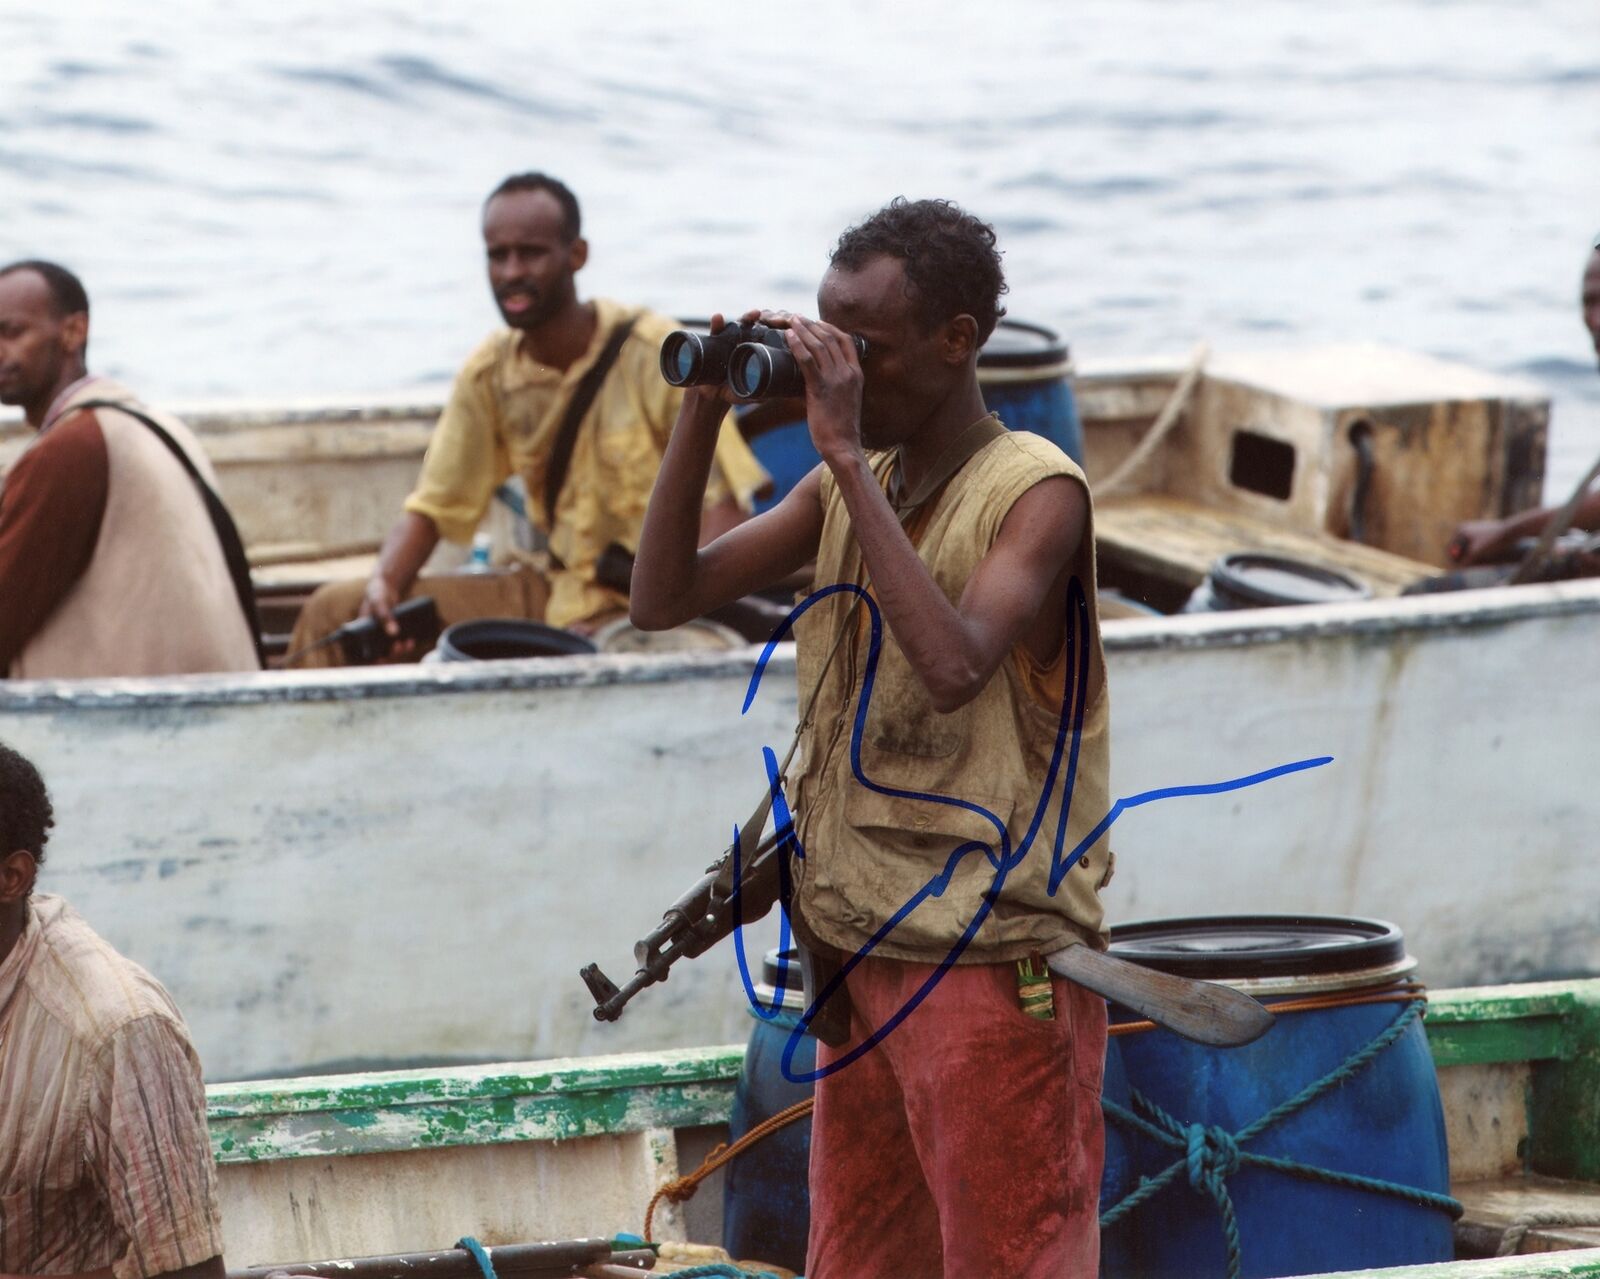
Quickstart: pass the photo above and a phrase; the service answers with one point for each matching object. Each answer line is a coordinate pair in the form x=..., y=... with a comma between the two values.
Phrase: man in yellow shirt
x=505, y=417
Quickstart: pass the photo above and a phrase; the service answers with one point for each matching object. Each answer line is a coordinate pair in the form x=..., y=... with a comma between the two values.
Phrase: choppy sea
x=282, y=199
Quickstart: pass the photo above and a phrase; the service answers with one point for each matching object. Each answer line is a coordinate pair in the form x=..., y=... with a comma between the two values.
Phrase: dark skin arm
x=1476, y=541
x=1017, y=593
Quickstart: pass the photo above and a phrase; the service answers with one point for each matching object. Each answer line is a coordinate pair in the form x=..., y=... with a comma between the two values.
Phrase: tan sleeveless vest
x=156, y=598
x=869, y=850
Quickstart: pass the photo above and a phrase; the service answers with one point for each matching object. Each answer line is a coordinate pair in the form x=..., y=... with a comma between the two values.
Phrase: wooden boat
x=408, y=1161
x=327, y=868
x=1357, y=457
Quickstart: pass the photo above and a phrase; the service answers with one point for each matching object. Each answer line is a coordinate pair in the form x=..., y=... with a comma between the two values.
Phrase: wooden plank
x=1492, y=1205
x=1178, y=541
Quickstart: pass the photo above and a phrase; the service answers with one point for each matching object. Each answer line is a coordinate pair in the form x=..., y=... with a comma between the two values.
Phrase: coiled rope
x=1209, y=1155
x=1536, y=1218
x=684, y=1187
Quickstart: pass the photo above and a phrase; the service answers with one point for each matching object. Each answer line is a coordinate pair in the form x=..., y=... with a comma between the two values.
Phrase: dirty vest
x=157, y=598
x=868, y=851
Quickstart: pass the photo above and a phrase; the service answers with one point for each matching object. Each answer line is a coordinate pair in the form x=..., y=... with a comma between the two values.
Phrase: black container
x=493, y=639
x=1246, y=579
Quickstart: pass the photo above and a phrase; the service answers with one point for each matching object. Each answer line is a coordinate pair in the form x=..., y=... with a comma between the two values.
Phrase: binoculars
x=753, y=359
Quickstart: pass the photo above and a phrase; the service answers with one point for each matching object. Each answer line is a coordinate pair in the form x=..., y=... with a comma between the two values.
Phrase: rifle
x=698, y=920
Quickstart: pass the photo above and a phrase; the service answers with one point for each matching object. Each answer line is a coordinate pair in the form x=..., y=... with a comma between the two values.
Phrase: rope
x=480, y=1254
x=721, y=1269
x=1208, y=1155
x=1403, y=993
x=684, y=1187
x=1533, y=1219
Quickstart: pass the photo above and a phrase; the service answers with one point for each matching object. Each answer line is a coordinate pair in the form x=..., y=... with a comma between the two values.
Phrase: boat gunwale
x=1462, y=611
x=555, y=1099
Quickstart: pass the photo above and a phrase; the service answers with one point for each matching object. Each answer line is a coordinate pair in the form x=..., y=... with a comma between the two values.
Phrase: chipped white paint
x=398, y=865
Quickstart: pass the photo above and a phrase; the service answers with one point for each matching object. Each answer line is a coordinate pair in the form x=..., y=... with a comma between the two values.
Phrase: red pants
x=968, y=1142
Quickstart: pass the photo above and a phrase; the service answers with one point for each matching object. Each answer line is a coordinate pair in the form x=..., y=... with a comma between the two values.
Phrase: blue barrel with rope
x=1319, y=1147
x=1023, y=370
x=766, y=1209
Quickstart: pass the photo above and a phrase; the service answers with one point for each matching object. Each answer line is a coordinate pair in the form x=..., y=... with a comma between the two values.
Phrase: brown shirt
x=104, y=1157
x=949, y=791
x=50, y=512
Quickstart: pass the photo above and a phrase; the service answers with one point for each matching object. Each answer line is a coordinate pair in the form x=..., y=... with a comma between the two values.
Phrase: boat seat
x=1177, y=541
x=1494, y=1203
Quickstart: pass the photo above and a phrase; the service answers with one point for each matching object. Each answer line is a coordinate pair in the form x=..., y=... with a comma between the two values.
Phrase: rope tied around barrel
x=1210, y=1155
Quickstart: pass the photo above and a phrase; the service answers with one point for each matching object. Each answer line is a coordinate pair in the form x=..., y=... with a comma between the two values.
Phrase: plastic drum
x=1246, y=579
x=1023, y=370
x=490, y=639
x=1379, y=1119
x=766, y=1208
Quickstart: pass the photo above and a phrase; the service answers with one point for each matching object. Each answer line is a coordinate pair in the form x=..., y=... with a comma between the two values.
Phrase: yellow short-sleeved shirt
x=502, y=418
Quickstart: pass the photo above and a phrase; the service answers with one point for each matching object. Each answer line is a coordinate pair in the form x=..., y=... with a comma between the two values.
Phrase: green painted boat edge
x=553, y=1100
x=1553, y=1025
x=1583, y=1263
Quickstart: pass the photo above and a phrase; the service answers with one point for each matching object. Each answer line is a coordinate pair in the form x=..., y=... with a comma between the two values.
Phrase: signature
x=1002, y=856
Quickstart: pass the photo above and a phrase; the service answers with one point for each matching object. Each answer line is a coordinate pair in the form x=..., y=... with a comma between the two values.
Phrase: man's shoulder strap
x=582, y=397
x=227, y=532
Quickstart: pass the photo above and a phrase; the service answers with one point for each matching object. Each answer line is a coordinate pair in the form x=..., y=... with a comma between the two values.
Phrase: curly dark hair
x=950, y=257
x=571, y=218
x=25, y=812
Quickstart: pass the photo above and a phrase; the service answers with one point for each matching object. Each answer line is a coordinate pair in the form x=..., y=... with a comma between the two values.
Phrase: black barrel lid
x=1254, y=578
x=791, y=974
x=499, y=638
x=1250, y=946
x=1015, y=345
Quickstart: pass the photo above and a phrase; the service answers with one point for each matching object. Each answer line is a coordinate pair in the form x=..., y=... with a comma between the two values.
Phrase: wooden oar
x=1204, y=1011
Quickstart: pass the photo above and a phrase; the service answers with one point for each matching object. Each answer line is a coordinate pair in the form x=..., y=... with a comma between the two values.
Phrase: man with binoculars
x=957, y=1126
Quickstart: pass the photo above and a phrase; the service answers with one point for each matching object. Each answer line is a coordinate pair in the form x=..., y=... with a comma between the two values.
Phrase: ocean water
x=274, y=200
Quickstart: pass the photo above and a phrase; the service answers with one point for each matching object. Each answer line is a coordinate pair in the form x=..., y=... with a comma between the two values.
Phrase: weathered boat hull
x=342, y=1166
x=402, y=865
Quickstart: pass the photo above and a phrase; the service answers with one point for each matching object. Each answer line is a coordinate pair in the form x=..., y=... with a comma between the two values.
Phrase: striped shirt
x=104, y=1158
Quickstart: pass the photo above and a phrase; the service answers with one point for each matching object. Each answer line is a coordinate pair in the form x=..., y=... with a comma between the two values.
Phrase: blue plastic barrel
x=766, y=1208
x=1382, y=1121
x=1023, y=370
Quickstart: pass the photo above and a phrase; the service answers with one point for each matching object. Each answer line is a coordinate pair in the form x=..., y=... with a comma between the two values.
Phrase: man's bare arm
x=1475, y=541
x=405, y=550
x=674, y=579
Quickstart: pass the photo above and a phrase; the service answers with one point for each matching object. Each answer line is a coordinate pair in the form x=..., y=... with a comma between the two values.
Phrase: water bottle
x=479, y=563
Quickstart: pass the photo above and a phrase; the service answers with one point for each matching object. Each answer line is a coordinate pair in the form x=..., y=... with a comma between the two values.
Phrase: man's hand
x=832, y=370
x=379, y=603
x=1479, y=541
x=828, y=361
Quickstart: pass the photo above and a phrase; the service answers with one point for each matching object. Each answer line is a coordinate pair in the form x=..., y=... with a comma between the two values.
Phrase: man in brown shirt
x=109, y=561
x=105, y=1165
x=957, y=1128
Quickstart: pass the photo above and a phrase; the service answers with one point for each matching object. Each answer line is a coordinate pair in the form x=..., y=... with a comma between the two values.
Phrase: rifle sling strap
x=588, y=387
x=221, y=521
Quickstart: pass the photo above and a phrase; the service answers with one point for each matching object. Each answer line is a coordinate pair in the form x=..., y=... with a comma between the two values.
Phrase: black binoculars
x=753, y=359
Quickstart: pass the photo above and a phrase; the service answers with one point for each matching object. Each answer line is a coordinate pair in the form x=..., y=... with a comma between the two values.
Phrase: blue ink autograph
x=1000, y=854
